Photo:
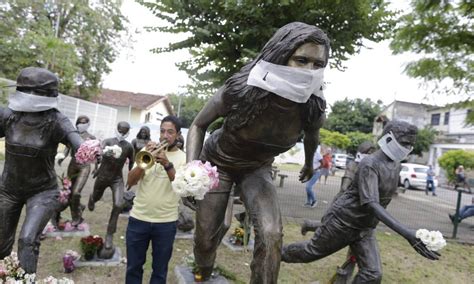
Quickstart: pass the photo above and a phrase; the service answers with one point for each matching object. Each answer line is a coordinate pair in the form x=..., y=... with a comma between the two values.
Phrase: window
x=147, y=117
x=446, y=118
x=435, y=118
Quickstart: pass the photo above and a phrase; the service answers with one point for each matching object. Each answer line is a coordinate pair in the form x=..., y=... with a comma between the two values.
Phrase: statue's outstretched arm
x=398, y=227
x=213, y=109
x=311, y=142
x=74, y=141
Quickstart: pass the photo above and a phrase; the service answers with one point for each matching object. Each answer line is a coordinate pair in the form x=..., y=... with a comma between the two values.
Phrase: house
x=453, y=133
x=136, y=108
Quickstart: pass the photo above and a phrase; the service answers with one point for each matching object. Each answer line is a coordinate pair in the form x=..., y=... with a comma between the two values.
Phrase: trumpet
x=146, y=159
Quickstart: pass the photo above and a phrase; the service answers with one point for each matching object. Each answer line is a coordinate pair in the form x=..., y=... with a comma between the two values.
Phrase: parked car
x=414, y=176
x=339, y=160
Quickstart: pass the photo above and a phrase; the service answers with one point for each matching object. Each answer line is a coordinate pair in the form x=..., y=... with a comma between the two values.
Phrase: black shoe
x=454, y=218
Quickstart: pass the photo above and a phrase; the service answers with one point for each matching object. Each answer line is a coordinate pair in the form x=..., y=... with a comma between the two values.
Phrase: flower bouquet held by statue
x=433, y=240
x=115, y=151
x=88, y=151
x=65, y=190
x=195, y=179
x=90, y=245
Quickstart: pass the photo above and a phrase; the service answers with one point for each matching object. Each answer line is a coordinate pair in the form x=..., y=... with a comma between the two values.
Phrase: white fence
x=102, y=118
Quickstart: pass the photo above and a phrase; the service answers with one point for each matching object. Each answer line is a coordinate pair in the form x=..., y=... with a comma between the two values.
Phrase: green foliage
x=356, y=138
x=191, y=105
x=450, y=160
x=467, y=104
x=353, y=115
x=75, y=39
x=443, y=33
x=224, y=35
x=334, y=139
x=424, y=139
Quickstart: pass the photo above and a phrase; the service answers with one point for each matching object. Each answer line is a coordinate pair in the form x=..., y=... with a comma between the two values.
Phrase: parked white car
x=339, y=160
x=414, y=176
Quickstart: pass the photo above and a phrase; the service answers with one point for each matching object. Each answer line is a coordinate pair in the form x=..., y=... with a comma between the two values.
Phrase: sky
x=373, y=73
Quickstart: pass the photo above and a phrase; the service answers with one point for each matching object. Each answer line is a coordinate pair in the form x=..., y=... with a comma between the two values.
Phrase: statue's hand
x=306, y=173
x=421, y=248
x=189, y=202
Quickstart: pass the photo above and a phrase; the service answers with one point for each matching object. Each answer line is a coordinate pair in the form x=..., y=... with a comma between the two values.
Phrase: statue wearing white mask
x=109, y=174
x=356, y=212
x=267, y=106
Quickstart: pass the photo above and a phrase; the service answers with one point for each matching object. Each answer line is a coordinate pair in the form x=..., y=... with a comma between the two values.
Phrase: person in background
x=430, y=175
x=326, y=165
x=154, y=214
x=461, y=178
x=466, y=211
x=311, y=200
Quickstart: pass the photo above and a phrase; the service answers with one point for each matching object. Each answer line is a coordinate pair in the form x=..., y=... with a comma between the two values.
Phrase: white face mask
x=292, y=83
x=359, y=157
x=121, y=136
x=390, y=146
x=82, y=127
x=24, y=102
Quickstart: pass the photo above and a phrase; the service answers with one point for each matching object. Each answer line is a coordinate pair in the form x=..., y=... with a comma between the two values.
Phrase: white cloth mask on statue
x=121, y=136
x=82, y=127
x=359, y=157
x=390, y=146
x=24, y=102
x=292, y=83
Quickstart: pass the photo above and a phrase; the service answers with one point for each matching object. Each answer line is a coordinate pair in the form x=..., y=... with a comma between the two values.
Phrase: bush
x=450, y=160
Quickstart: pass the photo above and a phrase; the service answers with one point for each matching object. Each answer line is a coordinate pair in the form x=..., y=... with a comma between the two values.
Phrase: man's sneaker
x=313, y=205
x=307, y=205
x=452, y=217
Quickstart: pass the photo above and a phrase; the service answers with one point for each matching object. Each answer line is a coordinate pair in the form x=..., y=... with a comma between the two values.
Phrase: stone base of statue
x=116, y=260
x=235, y=247
x=66, y=230
x=185, y=275
x=189, y=235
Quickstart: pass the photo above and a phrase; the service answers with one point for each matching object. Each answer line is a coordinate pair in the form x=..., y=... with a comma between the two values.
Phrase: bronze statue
x=143, y=137
x=267, y=105
x=33, y=127
x=78, y=173
x=110, y=175
x=354, y=214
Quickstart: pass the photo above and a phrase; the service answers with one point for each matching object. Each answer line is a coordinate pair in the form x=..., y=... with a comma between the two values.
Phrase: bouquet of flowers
x=90, y=245
x=195, y=179
x=11, y=272
x=65, y=191
x=237, y=237
x=68, y=260
x=88, y=151
x=115, y=151
x=433, y=240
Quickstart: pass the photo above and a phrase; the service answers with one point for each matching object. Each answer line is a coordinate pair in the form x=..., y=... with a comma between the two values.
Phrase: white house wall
x=457, y=124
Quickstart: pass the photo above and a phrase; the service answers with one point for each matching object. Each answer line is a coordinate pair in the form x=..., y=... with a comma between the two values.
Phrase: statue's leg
x=261, y=201
x=39, y=209
x=97, y=193
x=10, y=211
x=367, y=256
x=117, y=197
x=210, y=228
x=330, y=237
x=78, y=184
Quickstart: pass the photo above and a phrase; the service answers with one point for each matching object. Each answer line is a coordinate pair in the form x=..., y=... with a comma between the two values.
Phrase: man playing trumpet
x=155, y=210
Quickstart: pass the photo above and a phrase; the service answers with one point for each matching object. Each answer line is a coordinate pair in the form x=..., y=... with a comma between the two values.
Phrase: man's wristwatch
x=168, y=167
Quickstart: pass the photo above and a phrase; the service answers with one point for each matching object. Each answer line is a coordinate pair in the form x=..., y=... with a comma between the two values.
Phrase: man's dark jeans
x=139, y=235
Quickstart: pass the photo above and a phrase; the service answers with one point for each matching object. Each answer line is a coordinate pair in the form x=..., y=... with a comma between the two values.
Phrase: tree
x=75, y=39
x=450, y=160
x=442, y=32
x=190, y=107
x=225, y=35
x=424, y=139
x=356, y=138
x=334, y=139
x=353, y=115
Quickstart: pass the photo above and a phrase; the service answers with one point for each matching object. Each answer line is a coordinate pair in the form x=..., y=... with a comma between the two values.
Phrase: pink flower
x=83, y=227
x=88, y=151
x=64, y=196
x=67, y=183
x=3, y=270
x=68, y=227
x=213, y=175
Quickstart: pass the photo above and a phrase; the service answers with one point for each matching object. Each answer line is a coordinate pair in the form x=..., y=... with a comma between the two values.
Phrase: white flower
x=115, y=150
x=195, y=179
x=432, y=239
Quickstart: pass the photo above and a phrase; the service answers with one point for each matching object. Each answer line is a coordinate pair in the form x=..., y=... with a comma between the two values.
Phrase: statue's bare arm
x=311, y=142
x=213, y=109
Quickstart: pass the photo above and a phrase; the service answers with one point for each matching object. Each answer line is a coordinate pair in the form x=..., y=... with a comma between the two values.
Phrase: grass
x=401, y=264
